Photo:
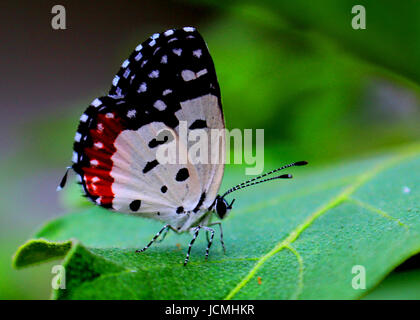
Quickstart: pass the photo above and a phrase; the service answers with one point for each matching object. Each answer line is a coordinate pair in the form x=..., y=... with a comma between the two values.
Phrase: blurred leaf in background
x=317, y=86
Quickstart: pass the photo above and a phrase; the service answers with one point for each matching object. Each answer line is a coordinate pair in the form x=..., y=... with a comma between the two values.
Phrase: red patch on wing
x=98, y=175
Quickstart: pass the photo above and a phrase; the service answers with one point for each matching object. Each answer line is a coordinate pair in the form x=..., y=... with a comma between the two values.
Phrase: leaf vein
x=360, y=180
x=371, y=208
x=300, y=275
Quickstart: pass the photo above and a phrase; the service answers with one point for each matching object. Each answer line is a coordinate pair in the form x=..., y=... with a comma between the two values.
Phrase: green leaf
x=293, y=240
x=389, y=40
x=391, y=28
x=398, y=286
x=35, y=251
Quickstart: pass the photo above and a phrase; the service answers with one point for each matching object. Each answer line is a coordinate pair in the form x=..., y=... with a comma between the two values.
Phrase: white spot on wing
x=98, y=145
x=155, y=36
x=168, y=32
x=142, y=88
x=189, y=29
x=138, y=56
x=96, y=102
x=201, y=72
x=189, y=75
x=154, y=74
x=77, y=137
x=109, y=115
x=126, y=73
x=139, y=47
x=166, y=92
x=131, y=113
x=160, y=105
x=115, y=80
x=125, y=64
x=75, y=157
x=152, y=43
x=197, y=53
x=164, y=59
x=84, y=117
x=177, y=51
x=94, y=162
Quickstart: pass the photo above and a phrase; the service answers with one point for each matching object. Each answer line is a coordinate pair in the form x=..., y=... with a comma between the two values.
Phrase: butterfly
x=167, y=79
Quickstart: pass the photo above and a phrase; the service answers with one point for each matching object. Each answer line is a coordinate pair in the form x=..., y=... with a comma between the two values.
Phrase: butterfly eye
x=222, y=208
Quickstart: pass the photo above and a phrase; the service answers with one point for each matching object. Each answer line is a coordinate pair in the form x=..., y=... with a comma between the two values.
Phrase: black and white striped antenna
x=256, y=180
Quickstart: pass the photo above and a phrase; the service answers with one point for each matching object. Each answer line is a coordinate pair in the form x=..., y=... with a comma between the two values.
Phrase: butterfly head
x=222, y=207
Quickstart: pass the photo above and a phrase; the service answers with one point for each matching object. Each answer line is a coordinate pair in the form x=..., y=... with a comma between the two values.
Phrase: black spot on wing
x=182, y=175
x=180, y=210
x=135, y=205
x=164, y=189
x=198, y=124
x=200, y=202
x=150, y=165
x=154, y=142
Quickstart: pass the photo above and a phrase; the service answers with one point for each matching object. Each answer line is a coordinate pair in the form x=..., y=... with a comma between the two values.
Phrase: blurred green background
x=321, y=90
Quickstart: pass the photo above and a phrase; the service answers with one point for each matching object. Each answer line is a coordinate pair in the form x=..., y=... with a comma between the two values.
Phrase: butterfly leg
x=221, y=234
x=197, y=230
x=165, y=232
x=166, y=227
x=209, y=241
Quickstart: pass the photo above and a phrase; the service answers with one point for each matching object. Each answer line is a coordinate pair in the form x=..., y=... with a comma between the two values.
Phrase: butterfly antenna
x=239, y=187
x=251, y=181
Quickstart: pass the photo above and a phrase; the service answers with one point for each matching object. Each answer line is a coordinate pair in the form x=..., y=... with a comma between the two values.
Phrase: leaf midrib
x=360, y=180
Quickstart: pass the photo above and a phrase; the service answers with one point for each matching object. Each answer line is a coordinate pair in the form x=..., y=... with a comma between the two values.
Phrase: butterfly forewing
x=168, y=80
